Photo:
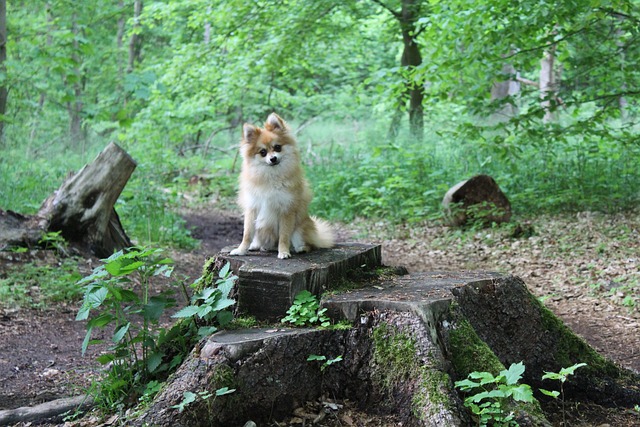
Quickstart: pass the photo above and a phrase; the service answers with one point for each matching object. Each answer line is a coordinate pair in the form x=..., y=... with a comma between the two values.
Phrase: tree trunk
x=411, y=58
x=120, y=40
x=135, y=42
x=42, y=98
x=74, y=108
x=503, y=90
x=548, y=85
x=3, y=57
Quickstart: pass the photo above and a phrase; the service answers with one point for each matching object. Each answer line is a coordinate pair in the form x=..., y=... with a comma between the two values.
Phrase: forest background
x=392, y=101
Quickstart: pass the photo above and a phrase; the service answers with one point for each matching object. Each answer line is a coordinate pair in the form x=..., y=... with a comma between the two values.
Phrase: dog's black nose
x=273, y=160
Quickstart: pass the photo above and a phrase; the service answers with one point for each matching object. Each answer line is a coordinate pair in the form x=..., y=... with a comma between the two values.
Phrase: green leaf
x=224, y=317
x=120, y=333
x=187, y=399
x=106, y=358
x=553, y=393
x=316, y=357
x=85, y=342
x=154, y=309
x=205, y=331
x=571, y=369
x=466, y=384
x=83, y=313
x=223, y=303
x=523, y=393
x=96, y=297
x=224, y=390
x=100, y=321
x=188, y=311
x=153, y=361
x=224, y=270
x=514, y=373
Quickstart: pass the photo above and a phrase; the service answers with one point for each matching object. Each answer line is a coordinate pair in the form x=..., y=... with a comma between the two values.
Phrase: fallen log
x=47, y=411
x=82, y=209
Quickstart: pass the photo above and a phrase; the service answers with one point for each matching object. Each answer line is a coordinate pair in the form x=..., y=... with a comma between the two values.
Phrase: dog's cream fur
x=274, y=194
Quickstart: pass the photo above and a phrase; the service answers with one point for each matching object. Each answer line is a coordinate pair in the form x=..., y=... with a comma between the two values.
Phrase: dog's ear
x=275, y=123
x=250, y=133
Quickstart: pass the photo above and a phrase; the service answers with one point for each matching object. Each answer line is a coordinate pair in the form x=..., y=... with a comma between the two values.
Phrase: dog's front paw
x=284, y=255
x=238, y=251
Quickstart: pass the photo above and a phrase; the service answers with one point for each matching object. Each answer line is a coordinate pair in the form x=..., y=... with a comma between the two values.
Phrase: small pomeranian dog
x=275, y=195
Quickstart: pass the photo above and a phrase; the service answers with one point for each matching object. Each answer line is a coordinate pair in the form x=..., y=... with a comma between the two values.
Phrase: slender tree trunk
x=120, y=40
x=503, y=89
x=548, y=85
x=411, y=58
x=3, y=57
x=74, y=108
x=135, y=43
x=394, y=127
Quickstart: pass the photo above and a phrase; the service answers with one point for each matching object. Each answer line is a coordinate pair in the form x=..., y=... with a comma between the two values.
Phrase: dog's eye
x=277, y=148
x=263, y=152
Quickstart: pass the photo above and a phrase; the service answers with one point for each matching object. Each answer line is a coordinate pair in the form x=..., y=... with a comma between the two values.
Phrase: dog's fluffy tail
x=325, y=236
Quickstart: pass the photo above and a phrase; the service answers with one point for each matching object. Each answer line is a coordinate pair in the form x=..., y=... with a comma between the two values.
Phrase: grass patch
x=38, y=286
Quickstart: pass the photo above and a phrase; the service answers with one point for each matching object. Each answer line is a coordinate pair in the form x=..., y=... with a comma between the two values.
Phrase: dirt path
x=40, y=350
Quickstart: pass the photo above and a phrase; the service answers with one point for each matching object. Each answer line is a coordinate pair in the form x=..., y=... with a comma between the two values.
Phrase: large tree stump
x=413, y=336
x=82, y=208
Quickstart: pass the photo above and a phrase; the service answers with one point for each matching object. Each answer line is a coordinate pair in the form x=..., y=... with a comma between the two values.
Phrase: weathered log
x=52, y=410
x=82, y=208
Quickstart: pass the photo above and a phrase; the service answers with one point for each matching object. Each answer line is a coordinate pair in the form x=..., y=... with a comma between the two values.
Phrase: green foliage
x=333, y=69
x=39, y=286
x=136, y=354
x=562, y=377
x=306, y=311
x=211, y=303
x=147, y=210
x=492, y=395
x=141, y=351
x=189, y=397
x=54, y=240
x=326, y=362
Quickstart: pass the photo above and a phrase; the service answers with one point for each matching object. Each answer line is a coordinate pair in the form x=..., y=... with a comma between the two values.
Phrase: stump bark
x=82, y=208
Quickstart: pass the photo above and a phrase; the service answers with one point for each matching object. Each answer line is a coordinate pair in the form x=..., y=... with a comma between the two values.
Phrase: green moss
x=571, y=349
x=242, y=322
x=394, y=354
x=469, y=353
x=222, y=376
x=432, y=386
x=209, y=274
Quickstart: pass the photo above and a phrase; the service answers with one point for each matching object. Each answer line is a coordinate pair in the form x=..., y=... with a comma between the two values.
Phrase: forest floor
x=585, y=267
